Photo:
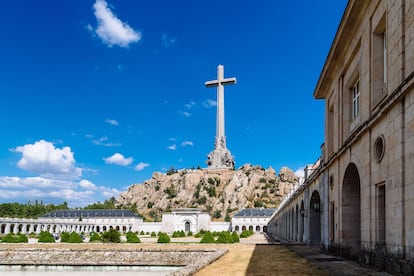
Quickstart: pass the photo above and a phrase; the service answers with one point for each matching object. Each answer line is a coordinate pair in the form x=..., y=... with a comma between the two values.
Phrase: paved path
x=333, y=265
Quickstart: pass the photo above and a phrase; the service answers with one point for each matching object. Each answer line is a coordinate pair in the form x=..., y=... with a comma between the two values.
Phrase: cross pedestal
x=220, y=157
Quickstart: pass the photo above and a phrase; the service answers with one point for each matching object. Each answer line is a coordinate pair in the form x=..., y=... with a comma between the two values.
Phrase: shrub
x=64, y=237
x=215, y=234
x=111, y=236
x=198, y=235
x=153, y=234
x=202, y=200
x=163, y=238
x=142, y=233
x=208, y=238
x=75, y=238
x=46, y=237
x=10, y=238
x=235, y=237
x=217, y=214
x=189, y=234
x=246, y=233
x=132, y=237
x=95, y=237
x=224, y=237
x=175, y=234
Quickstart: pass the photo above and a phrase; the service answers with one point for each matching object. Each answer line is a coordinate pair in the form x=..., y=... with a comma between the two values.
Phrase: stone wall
x=191, y=259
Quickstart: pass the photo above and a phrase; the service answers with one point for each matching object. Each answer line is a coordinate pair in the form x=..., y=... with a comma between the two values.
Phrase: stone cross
x=220, y=157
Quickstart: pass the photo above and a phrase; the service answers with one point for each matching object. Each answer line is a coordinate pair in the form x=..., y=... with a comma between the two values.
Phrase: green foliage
x=202, y=200
x=46, y=237
x=142, y=233
x=258, y=203
x=153, y=234
x=29, y=210
x=217, y=214
x=132, y=237
x=163, y=238
x=170, y=191
x=22, y=238
x=178, y=234
x=75, y=238
x=211, y=191
x=189, y=234
x=246, y=233
x=262, y=180
x=235, y=237
x=150, y=204
x=9, y=238
x=111, y=236
x=157, y=188
x=227, y=217
x=95, y=237
x=64, y=237
x=198, y=235
x=107, y=204
x=171, y=171
x=208, y=238
x=224, y=237
x=215, y=233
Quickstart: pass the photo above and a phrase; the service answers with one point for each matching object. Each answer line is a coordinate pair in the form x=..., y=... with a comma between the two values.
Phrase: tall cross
x=219, y=83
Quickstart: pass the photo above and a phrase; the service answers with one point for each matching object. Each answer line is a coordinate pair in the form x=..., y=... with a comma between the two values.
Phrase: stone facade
x=366, y=170
x=254, y=219
x=186, y=219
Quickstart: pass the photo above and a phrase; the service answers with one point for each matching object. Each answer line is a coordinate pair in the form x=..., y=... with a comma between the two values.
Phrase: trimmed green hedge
x=163, y=238
x=208, y=238
x=46, y=237
x=224, y=237
x=95, y=237
x=132, y=237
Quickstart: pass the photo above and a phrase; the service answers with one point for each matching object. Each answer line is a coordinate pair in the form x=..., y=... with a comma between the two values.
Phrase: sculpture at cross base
x=220, y=157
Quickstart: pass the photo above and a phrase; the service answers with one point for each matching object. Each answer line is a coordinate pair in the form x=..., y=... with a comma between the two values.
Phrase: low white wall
x=150, y=227
x=220, y=226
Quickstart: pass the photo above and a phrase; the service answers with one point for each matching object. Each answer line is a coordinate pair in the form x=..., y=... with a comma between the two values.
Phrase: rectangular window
x=381, y=214
x=332, y=224
x=355, y=101
x=379, y=62
x=384, y=59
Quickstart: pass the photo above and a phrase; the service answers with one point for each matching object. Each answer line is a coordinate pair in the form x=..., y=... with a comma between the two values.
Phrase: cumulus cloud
x=75, y=193
x=112, y=122
x=187, y=143
x=190, y=105
x=140, y=166
x=209, y=103
x=44, y=158
x=86, y=184
x=119, y=159
x=111, y=29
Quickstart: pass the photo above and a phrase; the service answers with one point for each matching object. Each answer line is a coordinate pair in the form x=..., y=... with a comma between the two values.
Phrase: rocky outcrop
x=221, y=192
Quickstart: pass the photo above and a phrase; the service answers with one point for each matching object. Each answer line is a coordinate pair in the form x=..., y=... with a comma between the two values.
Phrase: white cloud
x=172, y=147
x=48, y=189
x=44, y=158
x=187, y=143
x=109, y=192
x=209, y=103
x=190, y=105
x=140, y=166
x=186, y=114
x=168, y=41
x=103, y=141
x=119, y=159
x=111, y=29
x=86, y=184
x=300, y=172
x=112, y=122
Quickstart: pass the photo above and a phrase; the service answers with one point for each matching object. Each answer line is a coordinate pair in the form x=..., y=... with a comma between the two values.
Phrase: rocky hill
x=222, y=192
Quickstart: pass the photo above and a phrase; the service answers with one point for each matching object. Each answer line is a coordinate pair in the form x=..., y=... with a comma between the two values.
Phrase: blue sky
x=96, y=95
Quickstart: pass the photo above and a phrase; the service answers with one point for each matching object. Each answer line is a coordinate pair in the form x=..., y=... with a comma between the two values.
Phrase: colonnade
x=56, y=226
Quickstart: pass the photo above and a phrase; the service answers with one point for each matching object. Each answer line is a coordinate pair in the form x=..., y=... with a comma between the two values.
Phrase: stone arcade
x=358, y=199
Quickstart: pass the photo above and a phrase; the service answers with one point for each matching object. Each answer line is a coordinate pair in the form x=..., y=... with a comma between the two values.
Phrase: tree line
x=35, y=209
